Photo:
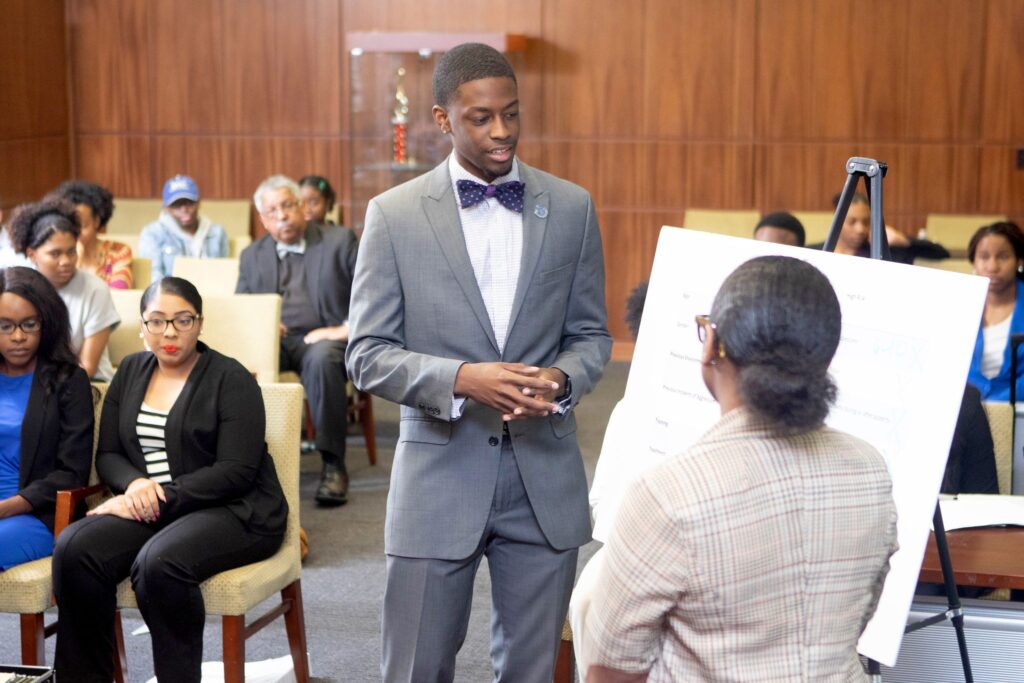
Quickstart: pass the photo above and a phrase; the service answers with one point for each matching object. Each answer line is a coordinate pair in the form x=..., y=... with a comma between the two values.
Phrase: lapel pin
x=540, y=211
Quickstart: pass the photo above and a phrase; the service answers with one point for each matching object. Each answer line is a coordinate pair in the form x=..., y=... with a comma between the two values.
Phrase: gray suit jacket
x=417, y=314
x=329, y=259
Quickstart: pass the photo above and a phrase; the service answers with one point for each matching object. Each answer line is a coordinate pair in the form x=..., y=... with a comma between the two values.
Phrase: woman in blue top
x=997, y=252
x=46, y=414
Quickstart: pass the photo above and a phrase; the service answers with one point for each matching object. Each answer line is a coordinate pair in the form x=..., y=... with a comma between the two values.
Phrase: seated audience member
x=47, y=233
x=318, y=198
x=761, y=551
x=311, y=267
x=46, y=415
x=110, y=261
x=182, y=445
x=997, y=252
x=781, y=228
x=181, y=230
x=855, y=236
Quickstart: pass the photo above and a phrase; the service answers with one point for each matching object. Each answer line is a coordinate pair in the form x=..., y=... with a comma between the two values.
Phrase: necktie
x=285, y=249
x=509, y=195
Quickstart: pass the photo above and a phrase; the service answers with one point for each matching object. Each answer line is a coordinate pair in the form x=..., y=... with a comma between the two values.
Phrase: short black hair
x=35, y=223
x=177, y=286
x=96, y=197
x=464, y=63
x=784, y=221
x=779, y=321
x=321, y=185
x=55, y=327
x=1006, y=229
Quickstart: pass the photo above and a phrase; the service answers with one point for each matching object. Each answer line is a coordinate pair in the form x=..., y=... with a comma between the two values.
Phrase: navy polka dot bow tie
x=509, y=195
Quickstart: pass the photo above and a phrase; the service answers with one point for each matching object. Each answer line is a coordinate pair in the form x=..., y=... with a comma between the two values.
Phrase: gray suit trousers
x=427, y=601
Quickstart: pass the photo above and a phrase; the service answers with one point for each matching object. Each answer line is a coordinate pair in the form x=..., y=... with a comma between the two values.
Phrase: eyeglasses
x=28, y=326
x=182, y=323
x=703, y=323
x=283, y=208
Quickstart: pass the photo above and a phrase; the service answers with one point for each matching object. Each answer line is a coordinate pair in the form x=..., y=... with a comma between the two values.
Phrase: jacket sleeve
x=149, y=247
x=586, y=344
x=377, y=358
x=74, y=448
x=241, y=429
x=222, y=248
x=243, y=286
x=113, y=465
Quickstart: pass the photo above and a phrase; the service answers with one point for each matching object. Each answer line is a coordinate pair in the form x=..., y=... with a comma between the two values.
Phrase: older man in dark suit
x=310, y=265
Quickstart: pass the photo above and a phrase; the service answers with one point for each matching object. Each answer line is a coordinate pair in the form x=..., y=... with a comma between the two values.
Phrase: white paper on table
x=976, y=510
x=908, y=335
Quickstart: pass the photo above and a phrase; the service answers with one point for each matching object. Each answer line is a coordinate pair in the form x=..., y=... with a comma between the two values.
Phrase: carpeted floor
x=343, y=578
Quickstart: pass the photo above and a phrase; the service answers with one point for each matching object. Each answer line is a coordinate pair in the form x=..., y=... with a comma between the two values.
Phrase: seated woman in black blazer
x=46, y=414
x=182, y=443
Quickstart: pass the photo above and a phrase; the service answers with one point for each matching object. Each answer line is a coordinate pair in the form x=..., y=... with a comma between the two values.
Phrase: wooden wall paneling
x=32, y=70
x=629, y=241
x=943, y=83
x=121, y=163
x=281, y=67
x=799, y=177
x=858, y=61
x=719, y=175
x=593, y=62
x=611, y=171
x=188, y=80
x=111, y=72
x=508, y=16
x=1002, y=101
x=698, y=69
x=1000, y=184
x=31, y=168
x=665, y=177
x=938, y=179
x=783, y=70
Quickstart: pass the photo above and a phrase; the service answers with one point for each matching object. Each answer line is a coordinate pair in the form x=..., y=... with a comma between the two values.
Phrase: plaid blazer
x=751, y=557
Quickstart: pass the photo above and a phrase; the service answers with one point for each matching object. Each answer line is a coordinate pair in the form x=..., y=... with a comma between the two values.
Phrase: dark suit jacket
x=56, y=440
x=330, y=261
x=215, y=441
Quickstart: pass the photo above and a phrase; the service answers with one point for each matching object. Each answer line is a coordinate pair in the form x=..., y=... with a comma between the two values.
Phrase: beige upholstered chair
x=236, y=243
x=142, y=272
x=954, y=231
x=233, y=593
x=125, y=340
x=131, y=215
x=816, y=224
x=213, y=276
x=1000, y=422
x=27, y=589
x=954, y=265
x=247, y=328
x=722, y=222
x=231, y=214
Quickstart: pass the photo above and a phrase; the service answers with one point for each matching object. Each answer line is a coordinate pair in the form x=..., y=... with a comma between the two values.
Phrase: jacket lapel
x=439, y=206
x=312, y=260
x=32, y=426
x=267, y=264
x=535, y=223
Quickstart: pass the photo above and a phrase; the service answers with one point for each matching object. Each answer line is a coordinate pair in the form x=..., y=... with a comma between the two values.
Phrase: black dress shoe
x=333, y=488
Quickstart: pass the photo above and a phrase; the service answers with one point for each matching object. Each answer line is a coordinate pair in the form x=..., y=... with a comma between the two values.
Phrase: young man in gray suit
x=478, y=305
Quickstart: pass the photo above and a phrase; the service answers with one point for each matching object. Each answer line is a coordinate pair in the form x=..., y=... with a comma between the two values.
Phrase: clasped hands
x=518, y=391
x=140, y=502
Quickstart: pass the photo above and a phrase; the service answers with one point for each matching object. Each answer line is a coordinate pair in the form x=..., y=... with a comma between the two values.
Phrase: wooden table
x=989, y=557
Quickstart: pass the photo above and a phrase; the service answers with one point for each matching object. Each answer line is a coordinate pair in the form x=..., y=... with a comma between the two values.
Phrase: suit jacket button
x=493, y=441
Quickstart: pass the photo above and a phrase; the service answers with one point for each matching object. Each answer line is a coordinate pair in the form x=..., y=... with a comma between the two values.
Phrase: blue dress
x=23, y=538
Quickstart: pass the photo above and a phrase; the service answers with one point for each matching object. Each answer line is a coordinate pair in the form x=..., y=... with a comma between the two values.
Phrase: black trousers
x=322, y=368
x=166, y=563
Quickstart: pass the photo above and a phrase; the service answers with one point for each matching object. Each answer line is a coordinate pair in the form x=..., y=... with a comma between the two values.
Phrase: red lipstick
x=169, y=348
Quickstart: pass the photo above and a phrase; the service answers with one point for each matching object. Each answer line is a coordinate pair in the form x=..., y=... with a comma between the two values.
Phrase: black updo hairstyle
x=172, y=285
x=96, y=197
x=33, y=224
x=55, y=328
x=779, y=321
x=321, y=185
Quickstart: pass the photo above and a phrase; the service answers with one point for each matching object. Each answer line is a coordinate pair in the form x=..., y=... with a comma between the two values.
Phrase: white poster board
x=907, y=339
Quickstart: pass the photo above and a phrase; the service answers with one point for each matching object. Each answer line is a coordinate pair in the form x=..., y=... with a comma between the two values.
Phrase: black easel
x=873, y=171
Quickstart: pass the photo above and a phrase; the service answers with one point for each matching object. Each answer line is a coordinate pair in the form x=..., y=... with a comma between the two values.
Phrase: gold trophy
x=400, y=122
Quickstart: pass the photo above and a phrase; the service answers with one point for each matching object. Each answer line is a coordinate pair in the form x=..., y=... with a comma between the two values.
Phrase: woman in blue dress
x=46, y=414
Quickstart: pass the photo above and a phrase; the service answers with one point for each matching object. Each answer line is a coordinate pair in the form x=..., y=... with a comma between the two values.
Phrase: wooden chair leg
x=120, y=659
x=369, y=430
x=564, y=664
x=33, y=640
x=295, y=625
x=234, y=648
x=310, y=425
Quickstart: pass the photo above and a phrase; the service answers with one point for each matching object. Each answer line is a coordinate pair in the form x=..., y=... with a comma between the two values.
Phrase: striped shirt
x=149, y=426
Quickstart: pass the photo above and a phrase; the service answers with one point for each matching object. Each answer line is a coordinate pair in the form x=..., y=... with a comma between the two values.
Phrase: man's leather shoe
x=333, y=488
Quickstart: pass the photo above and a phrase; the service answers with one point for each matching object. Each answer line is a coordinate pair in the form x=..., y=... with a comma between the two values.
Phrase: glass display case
x=392, y=133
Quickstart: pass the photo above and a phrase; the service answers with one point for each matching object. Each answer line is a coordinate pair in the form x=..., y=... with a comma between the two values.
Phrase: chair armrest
x=67, y=501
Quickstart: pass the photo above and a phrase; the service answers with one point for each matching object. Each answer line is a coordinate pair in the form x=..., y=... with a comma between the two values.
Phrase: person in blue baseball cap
x=181, y=230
